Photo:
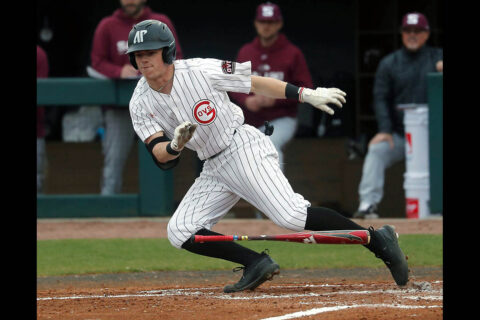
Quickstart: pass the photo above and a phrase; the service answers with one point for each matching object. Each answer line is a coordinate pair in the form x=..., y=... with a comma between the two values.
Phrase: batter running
x=184, y=103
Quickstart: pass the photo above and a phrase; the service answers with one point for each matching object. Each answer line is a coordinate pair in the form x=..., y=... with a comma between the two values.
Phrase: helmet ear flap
x=132, y=60
x=168, y=54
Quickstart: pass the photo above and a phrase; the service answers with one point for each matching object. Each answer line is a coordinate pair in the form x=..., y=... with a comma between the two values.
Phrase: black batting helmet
x=151, y=35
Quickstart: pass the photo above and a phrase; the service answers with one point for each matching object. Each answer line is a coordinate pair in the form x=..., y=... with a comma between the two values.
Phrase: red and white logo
x=408, y=135
x=204, y=112
x=412, y=208
x=228, y=67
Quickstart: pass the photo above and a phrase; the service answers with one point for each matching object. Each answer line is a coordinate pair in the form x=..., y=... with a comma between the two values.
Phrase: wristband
x=293, y=92
x=171, y=151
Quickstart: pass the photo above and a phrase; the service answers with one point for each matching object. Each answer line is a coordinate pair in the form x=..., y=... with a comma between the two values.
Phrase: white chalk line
x=315, y=311
x=424, y=297
x=198, y=292
x=273, y=287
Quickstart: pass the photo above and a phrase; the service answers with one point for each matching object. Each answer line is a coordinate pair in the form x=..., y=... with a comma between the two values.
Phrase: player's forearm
x=159, y=150
x=107, y=68
x=318, y=98
x=268, y=87
x=161, y=154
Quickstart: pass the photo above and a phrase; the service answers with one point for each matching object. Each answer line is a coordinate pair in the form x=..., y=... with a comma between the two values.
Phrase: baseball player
x=108, y=60
x=272, y=55
x=181, y=104
x=401, y=77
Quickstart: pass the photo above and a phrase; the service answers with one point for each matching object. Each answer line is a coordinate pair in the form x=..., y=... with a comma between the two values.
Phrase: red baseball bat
x=323, y=237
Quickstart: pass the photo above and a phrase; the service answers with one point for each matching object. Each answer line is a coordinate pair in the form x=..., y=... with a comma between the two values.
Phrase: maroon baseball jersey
x=42, y=72
x=284, y=61
x=110, y=41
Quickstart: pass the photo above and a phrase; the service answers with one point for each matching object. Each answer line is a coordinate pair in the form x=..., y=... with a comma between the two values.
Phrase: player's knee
x=379, y=149
x=295, y=222
x=176, y=236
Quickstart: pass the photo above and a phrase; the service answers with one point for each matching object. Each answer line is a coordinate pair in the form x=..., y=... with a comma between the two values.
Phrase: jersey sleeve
x=142, y=122
x=228, y=76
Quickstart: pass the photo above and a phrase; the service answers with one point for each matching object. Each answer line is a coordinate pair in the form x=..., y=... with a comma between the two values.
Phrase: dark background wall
x=322, y=29
x=342, y=40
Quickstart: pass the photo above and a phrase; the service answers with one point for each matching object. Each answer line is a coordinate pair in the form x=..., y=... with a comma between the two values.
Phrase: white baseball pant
x=247, y=169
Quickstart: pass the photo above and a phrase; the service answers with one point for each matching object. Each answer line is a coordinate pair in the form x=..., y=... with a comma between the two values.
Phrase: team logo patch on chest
x=204, y=112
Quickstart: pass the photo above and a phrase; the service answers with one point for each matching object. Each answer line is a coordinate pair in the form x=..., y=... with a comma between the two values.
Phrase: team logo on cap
x=412, y=18
x=204, y=112
x=228, y=67
x=267, y=11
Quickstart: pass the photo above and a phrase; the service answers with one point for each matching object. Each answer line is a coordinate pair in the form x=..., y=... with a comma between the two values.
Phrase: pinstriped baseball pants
x=247, y=169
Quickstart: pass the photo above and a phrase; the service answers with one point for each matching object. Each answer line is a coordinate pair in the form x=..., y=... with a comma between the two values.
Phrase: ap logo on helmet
x=139, y=36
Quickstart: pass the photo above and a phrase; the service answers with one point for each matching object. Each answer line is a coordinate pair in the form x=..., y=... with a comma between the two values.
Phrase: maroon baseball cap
x=415, y=19
x=268, y=12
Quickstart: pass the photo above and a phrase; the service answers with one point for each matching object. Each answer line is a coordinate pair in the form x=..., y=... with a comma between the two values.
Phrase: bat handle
x=200, y=239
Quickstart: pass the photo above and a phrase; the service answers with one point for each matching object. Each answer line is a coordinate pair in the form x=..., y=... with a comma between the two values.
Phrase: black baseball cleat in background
x=384, y=244
x=370, y=213
x=254, y=275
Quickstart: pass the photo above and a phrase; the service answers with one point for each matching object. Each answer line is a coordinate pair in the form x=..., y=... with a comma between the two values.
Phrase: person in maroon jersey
x=108, y=60
x=42, y=72
x=273, y=55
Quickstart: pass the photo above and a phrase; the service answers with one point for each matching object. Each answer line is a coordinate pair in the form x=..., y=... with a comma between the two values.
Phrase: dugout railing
x=155, y=195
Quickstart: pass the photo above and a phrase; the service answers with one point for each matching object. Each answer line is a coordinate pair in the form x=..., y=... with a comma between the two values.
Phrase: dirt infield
x=294, y=294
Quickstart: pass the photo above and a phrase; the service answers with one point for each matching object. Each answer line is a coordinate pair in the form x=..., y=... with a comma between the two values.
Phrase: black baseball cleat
x=254, y=275
x=370, y=213
x=384, y=244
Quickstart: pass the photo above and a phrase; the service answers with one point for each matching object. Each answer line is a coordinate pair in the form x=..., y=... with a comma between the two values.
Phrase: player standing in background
x=108, y=60
x=42, y=72
x=184, y=103
x=273, y=55
x=401, y=77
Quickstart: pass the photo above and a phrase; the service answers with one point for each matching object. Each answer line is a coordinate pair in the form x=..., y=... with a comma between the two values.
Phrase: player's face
x=268, y=29
x=414, y=38
x=132, y=7
x=150, y=63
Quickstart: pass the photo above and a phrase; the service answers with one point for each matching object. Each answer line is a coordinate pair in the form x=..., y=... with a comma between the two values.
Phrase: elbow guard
x=164, y=166
x=167, y=165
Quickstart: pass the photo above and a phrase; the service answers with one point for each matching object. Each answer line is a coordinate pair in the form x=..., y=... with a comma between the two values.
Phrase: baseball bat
x=320, y=237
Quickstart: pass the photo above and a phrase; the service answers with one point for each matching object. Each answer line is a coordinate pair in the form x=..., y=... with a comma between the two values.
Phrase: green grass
x=73, y=256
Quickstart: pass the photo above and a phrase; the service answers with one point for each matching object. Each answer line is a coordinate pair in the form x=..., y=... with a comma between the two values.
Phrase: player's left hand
x=320, y=97
x=183, y=133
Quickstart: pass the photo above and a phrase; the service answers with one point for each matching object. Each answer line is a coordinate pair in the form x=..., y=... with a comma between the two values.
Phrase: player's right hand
x=382, y=136
x=320, y=97
x=128, y=71
x=183, y=133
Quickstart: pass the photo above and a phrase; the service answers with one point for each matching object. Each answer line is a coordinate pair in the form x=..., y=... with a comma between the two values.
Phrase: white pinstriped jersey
x=199, y=95
x=247, y=163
